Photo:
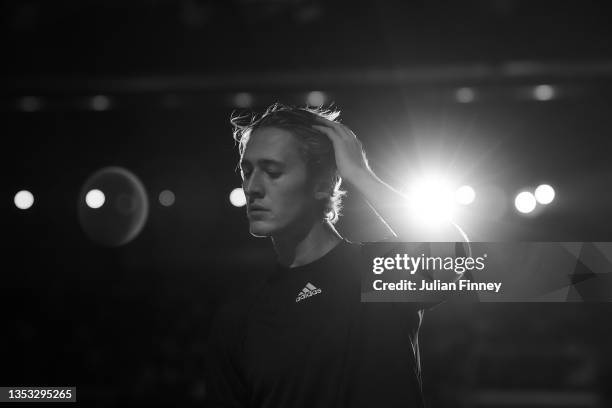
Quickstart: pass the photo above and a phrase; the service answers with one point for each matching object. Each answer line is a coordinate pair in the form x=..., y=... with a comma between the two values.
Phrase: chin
x=258, y=234
x=260, y=231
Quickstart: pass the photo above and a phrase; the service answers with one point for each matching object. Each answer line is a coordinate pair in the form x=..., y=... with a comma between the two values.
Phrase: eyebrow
x=265, y=163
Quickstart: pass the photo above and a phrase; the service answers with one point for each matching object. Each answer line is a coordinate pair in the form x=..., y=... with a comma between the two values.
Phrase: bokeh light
x=465, y=95
x=465, y=195
x=316, y=98
x=543, y=92
x=525, y=202
x=545, y=194
x=24, y=199
x=243, y=100
x=29, y=103
x=100, y=103
x=166, y=198
x=237, y=197
x=95, y=198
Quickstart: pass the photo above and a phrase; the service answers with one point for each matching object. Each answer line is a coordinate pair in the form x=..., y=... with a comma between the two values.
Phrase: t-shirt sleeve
x=225, y=383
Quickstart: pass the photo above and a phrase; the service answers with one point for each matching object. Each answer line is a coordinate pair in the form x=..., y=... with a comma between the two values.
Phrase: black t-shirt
x=305, y=339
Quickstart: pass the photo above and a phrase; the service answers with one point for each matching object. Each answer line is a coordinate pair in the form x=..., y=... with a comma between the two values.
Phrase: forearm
x=384, y=200
x=394, y=209
x=398, y=214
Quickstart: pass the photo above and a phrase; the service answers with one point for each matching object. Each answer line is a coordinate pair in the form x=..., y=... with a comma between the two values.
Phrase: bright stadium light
x=525, y=202
x=95, y=198
x=432, y=199
x=544, y=194
x=237, y=197
x=24, y=199
x=465, y=195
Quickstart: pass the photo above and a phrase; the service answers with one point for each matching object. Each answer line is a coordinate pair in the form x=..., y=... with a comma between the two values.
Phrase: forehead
x=271, y=143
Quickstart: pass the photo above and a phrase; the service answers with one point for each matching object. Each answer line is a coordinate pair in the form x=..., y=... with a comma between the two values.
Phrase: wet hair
x=315, y=147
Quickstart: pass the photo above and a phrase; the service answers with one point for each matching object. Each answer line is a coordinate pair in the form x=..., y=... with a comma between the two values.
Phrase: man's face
x=279, y=197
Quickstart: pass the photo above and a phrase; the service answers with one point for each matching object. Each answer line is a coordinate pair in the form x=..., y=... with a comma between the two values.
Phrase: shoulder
x=376, y=248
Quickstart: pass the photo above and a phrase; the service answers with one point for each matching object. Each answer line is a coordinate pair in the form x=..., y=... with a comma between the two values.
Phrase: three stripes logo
x=308, y=291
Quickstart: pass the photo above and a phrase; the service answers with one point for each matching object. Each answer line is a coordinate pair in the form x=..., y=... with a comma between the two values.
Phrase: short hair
x=315, y=147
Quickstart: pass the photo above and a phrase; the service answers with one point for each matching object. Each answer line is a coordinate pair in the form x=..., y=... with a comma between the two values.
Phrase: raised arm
x=391, y=206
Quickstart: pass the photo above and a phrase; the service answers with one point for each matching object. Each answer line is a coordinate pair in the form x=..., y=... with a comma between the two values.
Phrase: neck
x=306, y=247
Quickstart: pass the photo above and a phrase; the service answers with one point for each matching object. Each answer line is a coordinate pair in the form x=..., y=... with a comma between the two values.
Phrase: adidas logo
x=308, y=291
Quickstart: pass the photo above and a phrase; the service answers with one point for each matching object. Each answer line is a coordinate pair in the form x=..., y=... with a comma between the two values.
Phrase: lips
x=256, y=210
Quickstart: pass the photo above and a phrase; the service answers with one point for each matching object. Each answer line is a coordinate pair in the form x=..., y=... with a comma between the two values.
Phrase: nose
x=253, y=186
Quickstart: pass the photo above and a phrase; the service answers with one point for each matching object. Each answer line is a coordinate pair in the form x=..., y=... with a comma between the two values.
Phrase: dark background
x=128, y=324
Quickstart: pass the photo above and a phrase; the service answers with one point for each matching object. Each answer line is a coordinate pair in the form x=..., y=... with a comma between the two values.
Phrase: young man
x=305, y=339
